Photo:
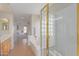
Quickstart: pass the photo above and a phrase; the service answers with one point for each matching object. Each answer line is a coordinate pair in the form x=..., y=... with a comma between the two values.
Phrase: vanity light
x=5, y=19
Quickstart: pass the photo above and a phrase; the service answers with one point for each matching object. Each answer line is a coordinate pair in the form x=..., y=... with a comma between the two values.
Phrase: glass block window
x=44, y=30
x=51, y=29
x=51, y=26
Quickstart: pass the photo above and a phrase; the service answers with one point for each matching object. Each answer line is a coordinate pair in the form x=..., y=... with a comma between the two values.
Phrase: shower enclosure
x=58, y=29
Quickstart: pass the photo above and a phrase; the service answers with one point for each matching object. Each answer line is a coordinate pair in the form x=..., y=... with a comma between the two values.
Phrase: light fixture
x=5, y=19
x=25, y=29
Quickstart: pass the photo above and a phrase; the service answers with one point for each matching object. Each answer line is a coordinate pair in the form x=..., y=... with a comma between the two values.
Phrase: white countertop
x=4, y=37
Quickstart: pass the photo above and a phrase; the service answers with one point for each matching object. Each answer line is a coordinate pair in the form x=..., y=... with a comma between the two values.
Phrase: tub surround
x=35, y=44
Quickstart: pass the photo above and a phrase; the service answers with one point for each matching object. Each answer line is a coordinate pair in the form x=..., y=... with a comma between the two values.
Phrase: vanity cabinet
x=5, y=47
x=6, y=29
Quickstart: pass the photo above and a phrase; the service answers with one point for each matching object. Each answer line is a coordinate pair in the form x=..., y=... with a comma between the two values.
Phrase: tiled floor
x=22, y=50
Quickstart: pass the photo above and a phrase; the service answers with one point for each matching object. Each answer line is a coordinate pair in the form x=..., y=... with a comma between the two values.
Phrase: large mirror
x=4, y=24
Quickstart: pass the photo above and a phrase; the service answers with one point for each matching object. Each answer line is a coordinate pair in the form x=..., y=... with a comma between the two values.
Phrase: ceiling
x=55, y=7
x=21, y=8
x=26, y=8
x=30, y=8
x=4, y=8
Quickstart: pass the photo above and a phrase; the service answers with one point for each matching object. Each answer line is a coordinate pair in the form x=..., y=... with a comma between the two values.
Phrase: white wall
x=66, y=35
x=36, y=25
x=36, y=34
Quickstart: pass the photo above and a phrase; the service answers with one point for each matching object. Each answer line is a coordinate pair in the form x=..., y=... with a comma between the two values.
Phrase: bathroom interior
x=49, y=31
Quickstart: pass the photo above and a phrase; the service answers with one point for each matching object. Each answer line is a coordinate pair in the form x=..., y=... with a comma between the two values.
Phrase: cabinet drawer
x=5, y=47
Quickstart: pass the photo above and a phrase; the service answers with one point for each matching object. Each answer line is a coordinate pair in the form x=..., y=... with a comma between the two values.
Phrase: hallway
x=21, y=50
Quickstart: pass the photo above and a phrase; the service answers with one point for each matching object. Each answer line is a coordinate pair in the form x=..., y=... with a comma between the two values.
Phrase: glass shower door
x=62, y=29
x=44, y=31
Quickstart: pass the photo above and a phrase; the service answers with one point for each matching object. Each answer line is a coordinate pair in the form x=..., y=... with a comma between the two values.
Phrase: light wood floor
x=22, y=50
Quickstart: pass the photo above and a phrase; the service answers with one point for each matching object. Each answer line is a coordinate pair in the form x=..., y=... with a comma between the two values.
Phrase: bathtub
x=54, y=52
x=35, y=44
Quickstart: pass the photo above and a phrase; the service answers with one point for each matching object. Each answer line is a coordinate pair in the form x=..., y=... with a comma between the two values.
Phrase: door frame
x=47, y=36
x=77, y=29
